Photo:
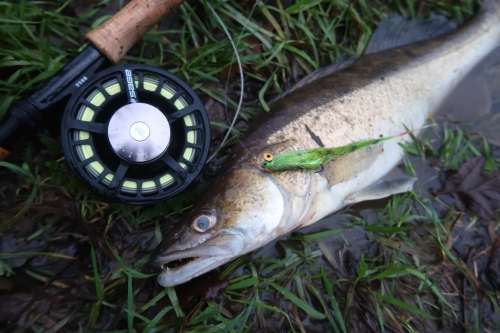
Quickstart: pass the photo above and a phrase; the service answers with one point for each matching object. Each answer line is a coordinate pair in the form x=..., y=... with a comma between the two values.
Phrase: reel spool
x=136, y=134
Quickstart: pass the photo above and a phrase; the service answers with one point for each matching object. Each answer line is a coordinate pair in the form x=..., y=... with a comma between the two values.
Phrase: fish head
x=241, y=212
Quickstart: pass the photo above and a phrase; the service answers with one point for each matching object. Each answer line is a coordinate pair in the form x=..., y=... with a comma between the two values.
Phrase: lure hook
x=319, y=171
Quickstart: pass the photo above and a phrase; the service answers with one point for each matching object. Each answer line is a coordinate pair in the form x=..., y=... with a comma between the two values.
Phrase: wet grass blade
x=388, y=230
x=438, y=229
x=158, y=235
x=404, y=305
x=380, y=316
x=175, y=302
x=263, y=91
x=333, y=300
x=325, y=307
x=152, y=302
x=98, y=286
x=130, y=305
x=127, y=269
x=156, y=319
x=94, y=312
x=349, y=298
x=297, y=301
x=245, y=317
x=30, y=322
x=431, y=285
x=393, y=271
x=63, y=321
x=228, y=325
x=24, y=170
x=42, y=230
x=363, y=267
x=270, y=308
x=33, y=254
x=323, y=234
x=206, y=314
x=226, y=273
x=247, y=283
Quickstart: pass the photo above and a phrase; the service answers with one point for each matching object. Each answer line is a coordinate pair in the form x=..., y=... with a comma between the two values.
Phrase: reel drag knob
x=139, y=132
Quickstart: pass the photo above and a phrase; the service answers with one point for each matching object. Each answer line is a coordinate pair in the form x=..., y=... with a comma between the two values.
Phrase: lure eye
x=268, y=157
x=203, y=222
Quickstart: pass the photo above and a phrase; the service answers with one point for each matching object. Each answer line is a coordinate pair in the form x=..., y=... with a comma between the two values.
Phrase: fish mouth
x=181, y=266
x=177, y=263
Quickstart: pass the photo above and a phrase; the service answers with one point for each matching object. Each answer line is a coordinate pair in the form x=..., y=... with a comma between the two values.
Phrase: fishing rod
x=134, y=134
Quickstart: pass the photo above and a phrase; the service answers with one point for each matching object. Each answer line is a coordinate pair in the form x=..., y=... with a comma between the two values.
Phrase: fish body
x=376, y=96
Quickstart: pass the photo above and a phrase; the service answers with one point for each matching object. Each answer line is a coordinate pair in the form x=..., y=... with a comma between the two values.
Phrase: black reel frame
x=87, y=72
x=93, y=159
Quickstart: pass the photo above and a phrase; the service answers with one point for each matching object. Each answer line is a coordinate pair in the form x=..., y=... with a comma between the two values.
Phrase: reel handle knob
x=118, y=34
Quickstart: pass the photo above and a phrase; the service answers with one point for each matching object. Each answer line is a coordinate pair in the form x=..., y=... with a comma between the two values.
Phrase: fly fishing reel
x=135, y=134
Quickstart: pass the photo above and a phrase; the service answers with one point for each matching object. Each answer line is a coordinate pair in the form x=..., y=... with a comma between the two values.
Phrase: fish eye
x=268, y=157
x=203, y=222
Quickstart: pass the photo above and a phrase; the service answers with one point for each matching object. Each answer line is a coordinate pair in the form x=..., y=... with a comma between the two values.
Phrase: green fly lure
x=313, y=159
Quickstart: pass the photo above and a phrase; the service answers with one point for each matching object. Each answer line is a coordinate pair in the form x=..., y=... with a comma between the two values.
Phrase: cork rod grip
x=117, y=35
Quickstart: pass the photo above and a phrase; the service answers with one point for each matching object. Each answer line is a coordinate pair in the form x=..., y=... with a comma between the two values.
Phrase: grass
x=409, y=275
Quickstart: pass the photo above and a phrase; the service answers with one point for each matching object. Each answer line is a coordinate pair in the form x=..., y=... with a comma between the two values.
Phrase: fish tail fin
x=396, y=31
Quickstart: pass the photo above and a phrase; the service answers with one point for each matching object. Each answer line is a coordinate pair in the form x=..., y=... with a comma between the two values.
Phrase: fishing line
x=227, y=80
x=242, y=83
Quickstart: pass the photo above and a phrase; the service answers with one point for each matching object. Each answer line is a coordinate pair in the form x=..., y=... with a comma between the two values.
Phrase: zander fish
x=394, y=85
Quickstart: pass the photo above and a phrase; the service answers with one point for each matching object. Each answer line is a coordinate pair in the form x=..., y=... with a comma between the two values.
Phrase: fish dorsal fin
x=392, y=32
x=314, y=75
x=396, y=31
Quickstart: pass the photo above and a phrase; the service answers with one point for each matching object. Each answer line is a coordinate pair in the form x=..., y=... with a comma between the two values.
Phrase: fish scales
x=386, y=88
x=376, y=96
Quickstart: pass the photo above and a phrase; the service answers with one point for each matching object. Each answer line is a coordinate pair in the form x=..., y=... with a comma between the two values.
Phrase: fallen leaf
x=493, y=269
x=477, y=190
x=191, y=293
